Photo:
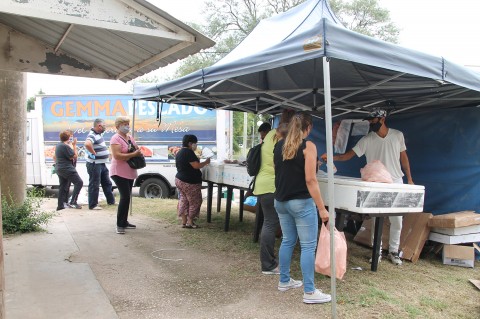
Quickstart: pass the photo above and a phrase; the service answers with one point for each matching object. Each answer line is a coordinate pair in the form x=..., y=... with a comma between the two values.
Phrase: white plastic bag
x=376, y=172
x=322, y=259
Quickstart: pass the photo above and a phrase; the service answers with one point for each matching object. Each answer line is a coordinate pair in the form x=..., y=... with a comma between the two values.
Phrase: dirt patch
x=160, y=270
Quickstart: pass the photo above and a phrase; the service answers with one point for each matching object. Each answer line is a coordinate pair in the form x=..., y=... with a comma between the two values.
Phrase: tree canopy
x=230, y=21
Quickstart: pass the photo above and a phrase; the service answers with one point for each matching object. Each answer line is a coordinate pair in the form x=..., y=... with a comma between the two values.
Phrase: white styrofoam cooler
x=228, y=174
x=358, y=196
x=236, y=175
x=458, y=239
x=213, y=172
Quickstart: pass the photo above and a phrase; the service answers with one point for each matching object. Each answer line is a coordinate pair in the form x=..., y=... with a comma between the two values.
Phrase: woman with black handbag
x=123, y=148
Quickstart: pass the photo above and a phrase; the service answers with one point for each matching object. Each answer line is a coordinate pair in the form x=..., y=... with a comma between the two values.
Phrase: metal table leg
x=377, y=241
x=219, y=197
x=240, y=209
x=209, y=201
x=229, y=208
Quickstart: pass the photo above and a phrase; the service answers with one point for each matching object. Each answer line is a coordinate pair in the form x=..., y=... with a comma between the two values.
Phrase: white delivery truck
x=157, y=128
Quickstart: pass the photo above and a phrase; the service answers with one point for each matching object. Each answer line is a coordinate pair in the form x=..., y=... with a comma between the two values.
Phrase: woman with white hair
x=123, y=148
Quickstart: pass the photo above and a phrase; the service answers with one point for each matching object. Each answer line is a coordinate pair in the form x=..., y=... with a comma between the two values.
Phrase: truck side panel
x=158, y=130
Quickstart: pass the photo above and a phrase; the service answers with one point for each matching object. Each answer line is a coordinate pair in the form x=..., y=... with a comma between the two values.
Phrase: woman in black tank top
x=297, y=198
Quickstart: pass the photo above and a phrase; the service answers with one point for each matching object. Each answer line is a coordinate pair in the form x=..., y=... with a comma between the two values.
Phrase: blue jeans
x=298, y=218
x=98, y=174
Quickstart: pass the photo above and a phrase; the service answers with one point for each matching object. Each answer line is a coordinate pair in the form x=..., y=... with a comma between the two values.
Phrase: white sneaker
x=316, y=297
x=394, y=258
x=284, y=286
x=96, y=208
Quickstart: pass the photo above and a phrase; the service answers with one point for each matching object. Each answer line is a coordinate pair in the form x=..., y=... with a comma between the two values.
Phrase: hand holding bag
x=136, y=162
x=322, y=259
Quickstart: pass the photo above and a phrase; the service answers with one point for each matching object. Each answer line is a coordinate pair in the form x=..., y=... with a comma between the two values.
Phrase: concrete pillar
x=13, y=117
x=2, y=276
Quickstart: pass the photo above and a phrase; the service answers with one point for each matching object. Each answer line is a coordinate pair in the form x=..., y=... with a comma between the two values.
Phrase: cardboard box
x=458, y=231
x=364, y=235
x=475, y=282
x=458, y=239
x=415, y=232
x=462, y=256
x=454, y=220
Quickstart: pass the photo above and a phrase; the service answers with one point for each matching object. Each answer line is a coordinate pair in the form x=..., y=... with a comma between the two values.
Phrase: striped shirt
x=99, y=147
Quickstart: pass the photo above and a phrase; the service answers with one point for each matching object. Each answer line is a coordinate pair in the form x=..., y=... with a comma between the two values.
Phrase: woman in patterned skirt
x=189, y=181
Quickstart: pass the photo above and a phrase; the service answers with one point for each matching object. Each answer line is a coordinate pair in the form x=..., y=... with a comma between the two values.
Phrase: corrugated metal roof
x=120, y=39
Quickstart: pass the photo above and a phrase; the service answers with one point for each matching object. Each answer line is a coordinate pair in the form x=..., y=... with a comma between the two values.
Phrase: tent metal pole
x=133, y=120
x=133, y=134
x=331, y=195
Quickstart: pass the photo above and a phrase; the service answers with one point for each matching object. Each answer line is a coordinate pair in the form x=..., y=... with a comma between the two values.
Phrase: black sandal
x=193, y=226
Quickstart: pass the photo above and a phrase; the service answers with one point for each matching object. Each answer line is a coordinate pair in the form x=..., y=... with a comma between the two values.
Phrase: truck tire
x=154, y=188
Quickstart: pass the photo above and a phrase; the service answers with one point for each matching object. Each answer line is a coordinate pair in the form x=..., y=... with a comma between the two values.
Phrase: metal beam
x=64, y=36
x=154, y=58
x=431, y=101
x=274, y=95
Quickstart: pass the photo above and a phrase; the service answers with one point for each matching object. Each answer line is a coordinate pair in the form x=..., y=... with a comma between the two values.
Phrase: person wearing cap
x=388, y=146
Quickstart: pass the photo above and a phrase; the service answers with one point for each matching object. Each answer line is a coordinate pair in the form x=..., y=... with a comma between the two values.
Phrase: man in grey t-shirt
x=97, y=156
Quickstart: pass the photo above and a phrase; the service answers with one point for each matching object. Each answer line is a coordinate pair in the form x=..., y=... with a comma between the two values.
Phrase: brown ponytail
x=297, y=126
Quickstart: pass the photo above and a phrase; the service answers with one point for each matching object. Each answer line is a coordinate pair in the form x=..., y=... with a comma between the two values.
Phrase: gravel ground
x=150, y=273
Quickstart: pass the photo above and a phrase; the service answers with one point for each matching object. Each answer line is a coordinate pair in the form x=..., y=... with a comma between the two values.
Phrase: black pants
x=269, y=231
x=67, y=177
x=125, y=189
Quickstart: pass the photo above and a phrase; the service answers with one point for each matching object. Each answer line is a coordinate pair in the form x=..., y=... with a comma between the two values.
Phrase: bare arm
x=198, y=165
x=310, y=153
x=74, y=147
x=406, y=166
x=341, y=157
x=119, y=156
x=89, y=146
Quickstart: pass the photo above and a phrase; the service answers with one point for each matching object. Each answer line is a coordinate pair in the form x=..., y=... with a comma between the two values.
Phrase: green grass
x=427, y=289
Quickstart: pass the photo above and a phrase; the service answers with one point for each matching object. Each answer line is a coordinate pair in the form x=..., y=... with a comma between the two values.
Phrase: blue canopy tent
x=280, y=65
x=286, y=61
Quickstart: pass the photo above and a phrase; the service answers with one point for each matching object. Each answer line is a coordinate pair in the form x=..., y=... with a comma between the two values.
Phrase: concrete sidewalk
x=82, y=269
x=42, y=282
